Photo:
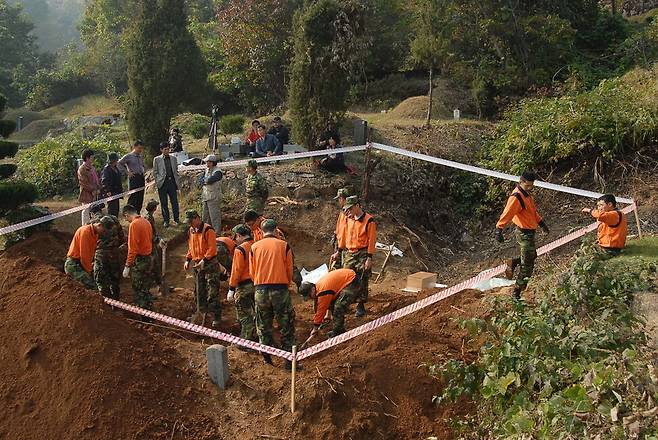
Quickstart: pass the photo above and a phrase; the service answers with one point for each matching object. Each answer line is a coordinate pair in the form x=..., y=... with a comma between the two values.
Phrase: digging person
x=360, y=240
x=202, y=257
x=339, y=234
x=335, y=291
x=270, y=265
x=80, y=256
x=257, y=191
x=613, y=225
x=241, y=287
x=139, y=263
x=225, y=250
x=211, y=193
x=521, y=210
x=159, y=243
x=107, y=259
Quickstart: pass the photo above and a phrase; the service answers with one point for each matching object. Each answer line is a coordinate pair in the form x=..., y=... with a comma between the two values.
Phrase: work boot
x=516, y=293
x=288, y=366
x=360, y=310
x=509, y=270
x=334, y=333
x=267, y=358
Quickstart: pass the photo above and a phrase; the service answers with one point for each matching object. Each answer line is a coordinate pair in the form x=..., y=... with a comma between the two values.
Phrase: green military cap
x=343, y=192
x=269, y=224
x=242, y=229
x=252, y=164
x=152, y=205
x=305, y=289
x=191, y=214
x=107, y=222
x=351, y=201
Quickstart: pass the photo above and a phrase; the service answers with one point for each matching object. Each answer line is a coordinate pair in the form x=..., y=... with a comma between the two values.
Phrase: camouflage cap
x=268, y=224
x=97, y=208
x=305, y=289
x=107, y=221
x=343, y=192
x=191, y=214
x=351, y=201
x=252, y=164
x=242, y=229
x=152, y=205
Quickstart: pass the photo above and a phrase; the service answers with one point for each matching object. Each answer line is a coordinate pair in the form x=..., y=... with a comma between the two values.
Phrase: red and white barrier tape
x=204, y=331
x=487, y=274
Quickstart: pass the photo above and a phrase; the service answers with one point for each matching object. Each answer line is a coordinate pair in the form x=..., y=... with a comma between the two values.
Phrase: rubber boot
x=360, y=310
x=267, y=358
x=335, y=332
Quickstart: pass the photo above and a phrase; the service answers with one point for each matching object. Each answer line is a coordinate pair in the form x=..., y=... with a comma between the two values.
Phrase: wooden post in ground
x=637, y=219
x=368, y=168
x=292, y=382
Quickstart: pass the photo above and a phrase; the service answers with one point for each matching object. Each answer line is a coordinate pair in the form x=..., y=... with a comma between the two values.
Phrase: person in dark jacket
x=329, y=132
x=334, y=163
x=267, y=145
x=280, y=131
x=111, y=183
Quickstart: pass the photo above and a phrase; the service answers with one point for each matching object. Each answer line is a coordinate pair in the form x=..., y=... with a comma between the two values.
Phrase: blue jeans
x=169, y=190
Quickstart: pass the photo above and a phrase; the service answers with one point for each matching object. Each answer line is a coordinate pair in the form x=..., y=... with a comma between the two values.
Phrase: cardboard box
x=421, y=280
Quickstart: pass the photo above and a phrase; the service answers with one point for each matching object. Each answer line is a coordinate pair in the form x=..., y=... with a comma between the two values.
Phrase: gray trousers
x=212, y=215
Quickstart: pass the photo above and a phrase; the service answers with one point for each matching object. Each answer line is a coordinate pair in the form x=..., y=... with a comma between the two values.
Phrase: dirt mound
x=70, y=368
x=47, y=247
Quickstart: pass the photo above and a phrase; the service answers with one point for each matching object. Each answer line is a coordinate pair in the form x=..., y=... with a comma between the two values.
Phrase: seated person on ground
x=613, y=225
x=329, y=132
x=334, y=163
x=267, y=145
x=280, y=131
x=253, y=135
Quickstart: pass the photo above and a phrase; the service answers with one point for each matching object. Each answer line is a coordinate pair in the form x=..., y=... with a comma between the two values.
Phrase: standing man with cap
x=521, y=210
x=80, y=257
x=270, y=265
x=257, y=191
x=240, y=285
x=107, y=259
x=339, y=234
x=360, y=240
x=202, y=257
x=165, y=172
x=211, y=193
x=133, y=162
x=111, y=183
x=139, y=264
x=613, y=225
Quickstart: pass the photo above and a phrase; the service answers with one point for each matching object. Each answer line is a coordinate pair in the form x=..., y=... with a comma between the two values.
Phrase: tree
x=13, y=193
x=328, y=50
x=165, y=69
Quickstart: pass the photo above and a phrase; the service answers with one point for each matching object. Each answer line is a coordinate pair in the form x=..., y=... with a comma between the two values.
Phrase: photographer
x=175, y=140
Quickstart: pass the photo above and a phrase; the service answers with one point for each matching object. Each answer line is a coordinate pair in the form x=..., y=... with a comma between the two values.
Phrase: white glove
x=186, y=266
x=200, y=264
x=162, y=243
x=126, y=272
x=230, y=296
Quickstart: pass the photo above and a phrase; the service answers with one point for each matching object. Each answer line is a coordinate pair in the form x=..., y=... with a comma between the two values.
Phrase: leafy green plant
x=193, y=124
x=230, y=124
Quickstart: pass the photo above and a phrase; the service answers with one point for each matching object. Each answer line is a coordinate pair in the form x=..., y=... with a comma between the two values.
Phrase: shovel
x=310, y=338
x=195, y=317
x=164, y=286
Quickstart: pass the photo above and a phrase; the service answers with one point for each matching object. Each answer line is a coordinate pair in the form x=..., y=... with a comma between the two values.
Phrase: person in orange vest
x=613, y=225
x=79, y=262
x=360, y=240
x=225, y=249
x=202, y=256
x=139, y=264
x=336, y=290
x=270, y=266
x=521, y=210
x=240, y=285
x=339, y=233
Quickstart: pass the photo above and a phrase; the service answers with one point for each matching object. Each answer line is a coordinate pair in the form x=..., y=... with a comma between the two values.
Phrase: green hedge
x=51, y=165
x=6, y=170
x=193, y=124
x=7, y=127
x=8, y=149
x=24, y=213
x=231, y=124
x=16, y=193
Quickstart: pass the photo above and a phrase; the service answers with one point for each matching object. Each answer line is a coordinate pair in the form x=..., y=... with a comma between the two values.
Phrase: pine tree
x=166, y=72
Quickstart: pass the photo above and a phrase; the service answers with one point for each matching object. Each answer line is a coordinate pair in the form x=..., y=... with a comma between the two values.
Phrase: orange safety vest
x=240, y=268
x=270, y=262
x=521, y=210
x=83, y=247
x=361, y=234
x=140, y=239
x=613, y=228
x=228, y=242
x=341, y=230
x=328, y=289
x=201, y=244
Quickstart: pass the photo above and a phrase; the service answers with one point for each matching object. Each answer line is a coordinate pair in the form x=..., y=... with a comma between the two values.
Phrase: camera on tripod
x=214, y=112
x=212, y=135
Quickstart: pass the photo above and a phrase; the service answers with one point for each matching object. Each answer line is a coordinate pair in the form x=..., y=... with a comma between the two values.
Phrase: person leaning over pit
x=257, y=190
x=202, y=257
x=133, y=162
x=613, y=224
x=211, y=193
x=270, y=267
x=225, y=250
x=241, y=287
x=107, y=259
x=360, y=240
x=521, y=210
x=335, y=291
x=80, y=257
x=139, y=263
x=338, y=240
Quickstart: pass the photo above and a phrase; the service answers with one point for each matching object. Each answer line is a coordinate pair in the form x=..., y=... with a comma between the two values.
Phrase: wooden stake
x=637, y=220
x=292, y=382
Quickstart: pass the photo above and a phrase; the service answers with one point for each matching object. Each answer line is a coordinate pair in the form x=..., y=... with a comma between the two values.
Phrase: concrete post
x=19, y=123
x=218, y=365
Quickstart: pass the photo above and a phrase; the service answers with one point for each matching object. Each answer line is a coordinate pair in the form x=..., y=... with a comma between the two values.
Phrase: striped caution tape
x=482, y=276
x=204, y=331
x=492, y=173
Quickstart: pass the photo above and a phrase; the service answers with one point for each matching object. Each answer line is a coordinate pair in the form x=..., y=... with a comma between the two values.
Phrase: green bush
x=8, y=149
x=230, y=124
x=7, y=127
x=22, y=214
x=617, y=117
x=6, y=170
x=193, y=124
x=54, y=87
x=52, y=164
x=16, y=193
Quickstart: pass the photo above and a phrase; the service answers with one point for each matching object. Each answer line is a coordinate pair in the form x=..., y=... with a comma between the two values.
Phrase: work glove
x=126, y=272
x=544, y=226
x=162, y=243
x=186, y=266
x=230, y=296
x=200, y=265
x=499, y=235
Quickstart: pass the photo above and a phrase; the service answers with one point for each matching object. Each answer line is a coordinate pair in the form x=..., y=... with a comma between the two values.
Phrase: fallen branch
x=416, y=255
x=284, y=200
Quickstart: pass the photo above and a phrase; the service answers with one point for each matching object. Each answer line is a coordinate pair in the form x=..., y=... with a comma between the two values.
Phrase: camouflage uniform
x=73, y=268
x=155, y=251
x=341, y=306
x=527, y=259
x=141, y=278
x=356, y=261
x=224, y=257
x=108, y=261
x=257, y=193
x=244, y=310
x=207, y=286
x=275, y=303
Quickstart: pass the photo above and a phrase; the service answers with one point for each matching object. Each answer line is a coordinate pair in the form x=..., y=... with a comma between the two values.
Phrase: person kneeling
x=613, y=225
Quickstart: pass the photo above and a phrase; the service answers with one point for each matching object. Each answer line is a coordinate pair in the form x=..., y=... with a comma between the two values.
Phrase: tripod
x=212, y=137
